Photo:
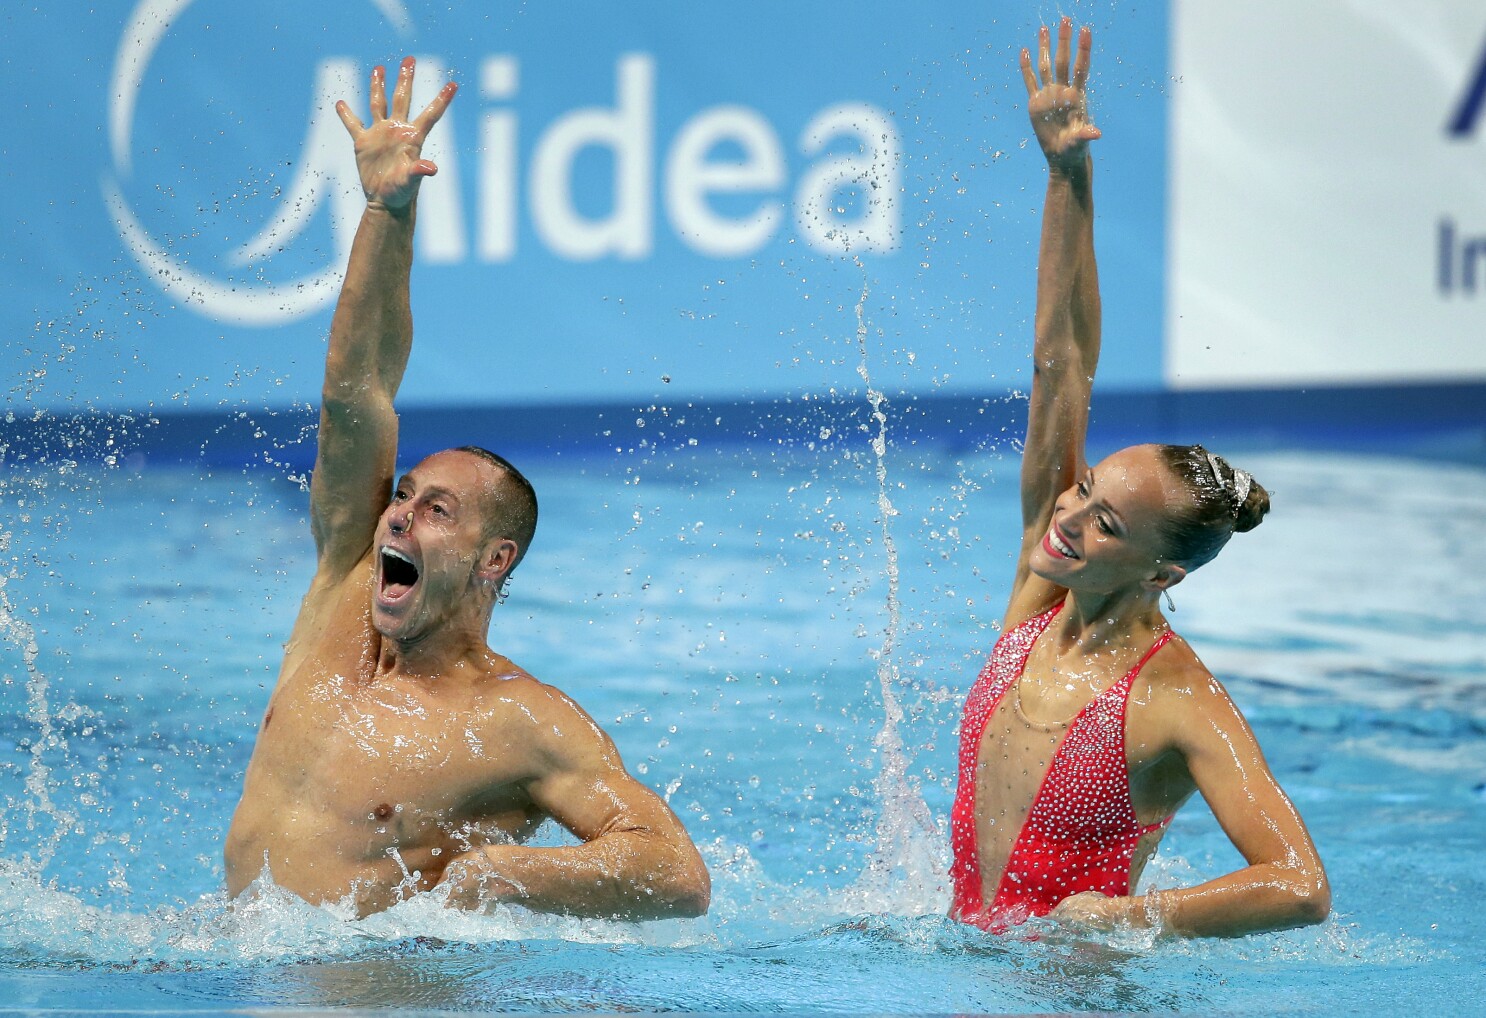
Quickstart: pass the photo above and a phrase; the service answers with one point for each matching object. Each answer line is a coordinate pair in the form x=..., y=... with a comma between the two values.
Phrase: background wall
x=667, y=202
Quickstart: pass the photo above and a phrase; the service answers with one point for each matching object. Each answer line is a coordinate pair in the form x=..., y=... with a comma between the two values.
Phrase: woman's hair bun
x=1221, y=502
x=1255, y=507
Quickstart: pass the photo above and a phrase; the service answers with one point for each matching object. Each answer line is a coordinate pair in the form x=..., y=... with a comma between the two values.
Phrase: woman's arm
x=1066, y=332
x=1284, y=884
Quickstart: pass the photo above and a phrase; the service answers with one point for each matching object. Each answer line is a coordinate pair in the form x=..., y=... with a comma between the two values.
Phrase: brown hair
x=1216, y=508
x=514, y=502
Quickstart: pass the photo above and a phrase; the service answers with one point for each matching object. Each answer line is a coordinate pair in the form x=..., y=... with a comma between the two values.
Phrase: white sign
x=1328, y=192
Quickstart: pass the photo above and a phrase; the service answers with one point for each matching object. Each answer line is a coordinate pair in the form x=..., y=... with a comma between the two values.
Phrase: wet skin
x=396, y=742
x=1098, y=547
x=369, y=785
x=399, y=752
x=1102, y=531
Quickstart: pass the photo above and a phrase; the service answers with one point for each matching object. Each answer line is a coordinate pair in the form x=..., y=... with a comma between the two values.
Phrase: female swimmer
x=1092, y=722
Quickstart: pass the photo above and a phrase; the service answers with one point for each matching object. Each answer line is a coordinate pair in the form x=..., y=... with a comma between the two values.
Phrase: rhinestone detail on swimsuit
x=1080, y=832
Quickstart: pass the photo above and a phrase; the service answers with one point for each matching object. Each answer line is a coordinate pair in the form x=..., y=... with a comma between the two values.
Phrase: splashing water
x=906, y=871
x=783, y=933
x=38, y=806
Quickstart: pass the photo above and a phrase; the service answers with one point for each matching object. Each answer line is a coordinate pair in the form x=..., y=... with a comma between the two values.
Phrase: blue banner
x=635, y=202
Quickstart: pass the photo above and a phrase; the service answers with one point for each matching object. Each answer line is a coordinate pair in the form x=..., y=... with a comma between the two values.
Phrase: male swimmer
x=1092, y=723
x=399, y=753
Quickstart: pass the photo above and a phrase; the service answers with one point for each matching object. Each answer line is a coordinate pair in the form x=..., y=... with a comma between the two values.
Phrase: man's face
x=431, y=545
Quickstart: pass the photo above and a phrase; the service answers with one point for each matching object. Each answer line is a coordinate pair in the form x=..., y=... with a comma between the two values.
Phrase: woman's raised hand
x=1058, y=105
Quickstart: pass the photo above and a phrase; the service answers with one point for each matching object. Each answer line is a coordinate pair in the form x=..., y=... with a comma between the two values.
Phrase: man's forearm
x=626, y=875
x=371, y=333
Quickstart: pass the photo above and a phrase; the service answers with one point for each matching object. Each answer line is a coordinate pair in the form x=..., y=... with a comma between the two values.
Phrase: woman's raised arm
x=1066, y=335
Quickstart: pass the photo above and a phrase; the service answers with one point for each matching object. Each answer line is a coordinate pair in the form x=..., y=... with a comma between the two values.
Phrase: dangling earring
x=504, y=591
x=1170, y=604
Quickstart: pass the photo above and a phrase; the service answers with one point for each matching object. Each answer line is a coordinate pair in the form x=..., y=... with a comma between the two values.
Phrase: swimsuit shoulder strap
x=1128, y=682
x=1015, y=645
x=1007, y=661
x=1038, y=623
x=1160, y=642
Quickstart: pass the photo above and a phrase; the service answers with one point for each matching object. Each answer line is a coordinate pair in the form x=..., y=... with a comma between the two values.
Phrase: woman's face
x=1106, y=529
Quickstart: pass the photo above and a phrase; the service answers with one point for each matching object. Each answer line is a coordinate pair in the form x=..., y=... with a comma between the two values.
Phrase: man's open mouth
x=399, y=574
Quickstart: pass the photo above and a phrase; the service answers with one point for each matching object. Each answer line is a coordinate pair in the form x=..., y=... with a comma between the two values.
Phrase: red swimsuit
x=1081, y=831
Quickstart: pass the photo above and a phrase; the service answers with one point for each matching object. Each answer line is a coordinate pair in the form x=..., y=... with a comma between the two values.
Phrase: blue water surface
x=731, y=617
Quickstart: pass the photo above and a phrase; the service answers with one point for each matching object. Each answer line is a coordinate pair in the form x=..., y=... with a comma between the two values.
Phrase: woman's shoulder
x=1018, y=634
x=1032, y=616
x=1179, y=694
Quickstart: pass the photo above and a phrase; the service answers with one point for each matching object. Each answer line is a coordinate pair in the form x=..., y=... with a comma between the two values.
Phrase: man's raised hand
x=1059, y=107
x=389, y=152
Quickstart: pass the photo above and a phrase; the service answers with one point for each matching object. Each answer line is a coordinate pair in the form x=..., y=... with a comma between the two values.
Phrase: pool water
x=731, y=617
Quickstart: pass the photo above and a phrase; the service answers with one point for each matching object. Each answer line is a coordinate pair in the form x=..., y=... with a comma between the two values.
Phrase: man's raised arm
x=371, y=333
x=1067, y=328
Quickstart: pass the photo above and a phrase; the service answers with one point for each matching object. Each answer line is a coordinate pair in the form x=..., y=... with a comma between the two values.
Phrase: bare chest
x=357, y=780
x=342, y=740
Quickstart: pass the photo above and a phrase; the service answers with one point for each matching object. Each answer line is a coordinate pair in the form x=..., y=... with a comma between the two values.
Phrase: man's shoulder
x=334, y=613
x=531, y=711
x=505, y=687
x=334, y=594
x=332, y=586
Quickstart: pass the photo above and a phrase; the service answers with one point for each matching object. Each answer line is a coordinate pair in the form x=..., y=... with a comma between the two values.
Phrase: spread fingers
x=1081, y=62
x=434, y=111
x=352, y=122
x=379, y=93
x=402, y=94
x=1065, y=37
